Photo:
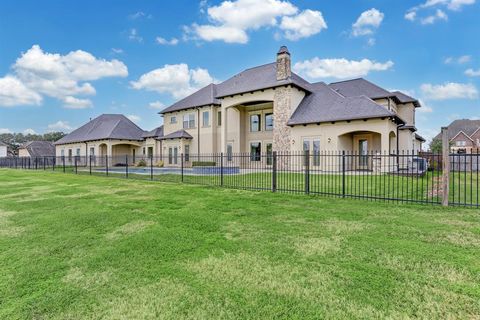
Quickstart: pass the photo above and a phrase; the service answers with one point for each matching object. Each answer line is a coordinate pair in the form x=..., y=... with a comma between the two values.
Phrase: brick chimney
x=283, y=64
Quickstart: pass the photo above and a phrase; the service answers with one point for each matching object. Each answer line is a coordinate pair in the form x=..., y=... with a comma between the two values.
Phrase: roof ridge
x=347, y=80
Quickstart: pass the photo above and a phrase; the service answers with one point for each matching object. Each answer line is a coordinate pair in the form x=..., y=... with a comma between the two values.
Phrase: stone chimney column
x=283, y=64
x=282, y=104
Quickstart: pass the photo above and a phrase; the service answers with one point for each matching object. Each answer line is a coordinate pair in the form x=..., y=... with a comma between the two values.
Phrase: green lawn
x=80, y=247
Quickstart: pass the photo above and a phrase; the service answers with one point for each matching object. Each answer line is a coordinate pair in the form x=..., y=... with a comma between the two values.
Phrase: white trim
x=466, y=135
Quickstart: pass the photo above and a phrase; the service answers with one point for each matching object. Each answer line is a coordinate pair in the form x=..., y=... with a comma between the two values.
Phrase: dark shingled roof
x=202, y=97
x=177, y=135
x=106, y=126
x=324, y=105
x=3, y=144
x=358, y=87
x=155, y=133
x=466, y=125
x=419, y=137
x=257, y=78
x=39, y=148
x=403, y=98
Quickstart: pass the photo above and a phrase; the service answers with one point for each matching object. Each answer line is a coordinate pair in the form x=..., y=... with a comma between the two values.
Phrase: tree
x=436, y=145
x=15, y=140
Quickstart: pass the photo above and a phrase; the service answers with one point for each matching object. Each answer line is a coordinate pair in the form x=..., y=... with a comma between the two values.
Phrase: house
x=270, y=108
x=3, y=150
x=37, y=149
x=463, y=135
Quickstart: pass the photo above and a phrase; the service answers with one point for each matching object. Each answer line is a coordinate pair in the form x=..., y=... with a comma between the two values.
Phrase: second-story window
x=206, y=118
x=173, y=120
x=254, y=122
x=268, y=121
x=219, y=118
x=189, y=121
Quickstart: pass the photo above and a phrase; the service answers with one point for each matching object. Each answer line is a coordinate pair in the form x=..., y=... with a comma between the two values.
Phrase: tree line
x=15, y=140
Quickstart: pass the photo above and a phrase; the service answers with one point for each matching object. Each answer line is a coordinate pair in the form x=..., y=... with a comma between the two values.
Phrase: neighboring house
x=418, y=142
x=37, y=149
x=112, y=135
x=463, y=135
x=270, y=108
x=3, y=150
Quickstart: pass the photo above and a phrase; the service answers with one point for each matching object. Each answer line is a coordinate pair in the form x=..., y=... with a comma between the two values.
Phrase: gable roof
x=358, y=87
x=106, y=126
x=39, y=148
x=180, y=134
x=155, y=133
x=257, y=78
x=3, y=144
x=202, y=97
x=466, y=125
x=325, y=104
x=419, y=137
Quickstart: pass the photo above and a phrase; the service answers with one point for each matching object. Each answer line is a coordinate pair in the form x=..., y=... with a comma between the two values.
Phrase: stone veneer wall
x=281, y=114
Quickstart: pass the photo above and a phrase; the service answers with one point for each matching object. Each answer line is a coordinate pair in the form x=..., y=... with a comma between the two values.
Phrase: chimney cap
x=283, y=49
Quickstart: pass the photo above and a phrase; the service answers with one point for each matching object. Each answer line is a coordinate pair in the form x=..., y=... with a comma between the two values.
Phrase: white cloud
x=60, y=126
x=134, y=36
x=156, y=105
x=134, y=117
x=163, y=41
x=472, y=73
x=303, y=25
x=177, y=79
x=339, y=68
x=29, y=131
x=117, y=50
x=449, y=90
x=76, y=103
x=230, y=21
x=139, y=15
x=439, y=15
x=38, y=73
x=371, y=42
x=5, y=130
x=14, y=93
x=367, y=22
x=459, y=60
x=426, y=108
x=223, y=33
x=452, y=5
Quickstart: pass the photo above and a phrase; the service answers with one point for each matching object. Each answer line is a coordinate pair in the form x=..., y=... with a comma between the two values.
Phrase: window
x=316, y=152
x=255, y=151
x=189, y=121
x=170, y=155
x=62, y=153
x=460, y=143
x=92, y=151
x=150, y=151
x=187, y=153
x=70, y=153
x=206, y=118
x=78, y=152
x=269, y=154
x=175, y=155
x=219, y=118
x=306, y=150
x=254, y=122
x=143, y=152
x=269, y=122
x=173, y=119
x=229, y=152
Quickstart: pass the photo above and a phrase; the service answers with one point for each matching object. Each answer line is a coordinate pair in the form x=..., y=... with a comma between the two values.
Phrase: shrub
x=141, y=163
x=159, y=164
x=203, y=164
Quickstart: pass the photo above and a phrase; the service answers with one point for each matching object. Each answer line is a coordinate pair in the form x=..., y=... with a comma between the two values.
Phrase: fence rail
x=380, y=176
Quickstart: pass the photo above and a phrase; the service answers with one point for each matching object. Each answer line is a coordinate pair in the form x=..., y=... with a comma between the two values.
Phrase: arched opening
x=364, y=146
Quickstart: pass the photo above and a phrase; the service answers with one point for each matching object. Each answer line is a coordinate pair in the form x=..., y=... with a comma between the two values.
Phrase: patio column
x=224, y=131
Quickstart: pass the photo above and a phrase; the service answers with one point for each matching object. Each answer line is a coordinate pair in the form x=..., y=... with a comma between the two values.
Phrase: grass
x=80, y=247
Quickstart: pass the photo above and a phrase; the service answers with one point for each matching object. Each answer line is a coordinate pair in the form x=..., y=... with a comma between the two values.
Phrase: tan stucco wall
x=85, y=148
x=407, y=113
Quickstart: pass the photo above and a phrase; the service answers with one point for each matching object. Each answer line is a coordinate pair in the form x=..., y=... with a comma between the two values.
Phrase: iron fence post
x=63, y=163
x=274, y=171
x=221, y=169
x=126, y=167
x=307, y=172
x=53, y=163
x=151, y=167
x=181, y=166
x=106, y=165
x=90, y=163
x=343, y=174
x=76, y=169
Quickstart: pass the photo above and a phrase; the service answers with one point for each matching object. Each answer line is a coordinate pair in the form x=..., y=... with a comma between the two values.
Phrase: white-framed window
x=255, y=121
x=173, y=119
x=206, y=118
x=92, y=151
x=219, y=118
x=189, y=121
x=62, y=153
x=255, y=151
x=78, y=152
x=187, y=153
x=268, y=121
x=269, y=152
x=312, y=145
x=229, y=152
x=461, y=143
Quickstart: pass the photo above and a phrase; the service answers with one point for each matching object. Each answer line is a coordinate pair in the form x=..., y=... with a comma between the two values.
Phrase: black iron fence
x=403, y=177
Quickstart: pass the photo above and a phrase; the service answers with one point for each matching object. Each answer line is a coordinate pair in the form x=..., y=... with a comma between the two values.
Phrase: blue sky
x=63, y=62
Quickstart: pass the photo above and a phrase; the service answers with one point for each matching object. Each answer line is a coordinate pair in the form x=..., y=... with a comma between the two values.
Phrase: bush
x=141, y=163
x=159, y=164
x=203, y=164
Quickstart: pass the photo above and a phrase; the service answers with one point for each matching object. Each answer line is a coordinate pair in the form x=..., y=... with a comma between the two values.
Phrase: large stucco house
x=270, y=108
